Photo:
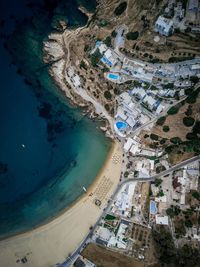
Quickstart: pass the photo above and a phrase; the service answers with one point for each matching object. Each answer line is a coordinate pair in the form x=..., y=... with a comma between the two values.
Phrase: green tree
x=175, y=140
x=114, y=34
x=188, y=256
x=95, y=57
x=196, y=127
x=132, y=35
x=194, y=79
x=188, y=223
x=126, y=174
x=158, y=182
x=170, y=212
x=120, y=8
x=196, y=195
x=191, y=99
x=163, y=141
x=161, y=121
x=154, y=136
x=108, y=95
x=189, y=111
x=166, y=128
x=191, y=136
x=188, y=121
x=164, y=245
x=173, y=110
x=107, y=41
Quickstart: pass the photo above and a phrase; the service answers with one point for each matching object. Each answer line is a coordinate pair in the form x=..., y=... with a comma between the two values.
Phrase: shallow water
x=49, y=150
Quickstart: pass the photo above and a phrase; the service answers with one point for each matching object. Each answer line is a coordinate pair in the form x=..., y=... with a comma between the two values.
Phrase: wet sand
x=53, y=242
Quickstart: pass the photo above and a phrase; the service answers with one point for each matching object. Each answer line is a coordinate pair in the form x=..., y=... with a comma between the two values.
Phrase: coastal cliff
x=57, y=55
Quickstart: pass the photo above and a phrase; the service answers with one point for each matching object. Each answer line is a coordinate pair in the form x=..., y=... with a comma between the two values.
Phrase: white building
x=110, y=58
x=164, y=26
x=150, y=101
x=162, y=220
x=104, y=233
x=128, y=144
x=118, y=240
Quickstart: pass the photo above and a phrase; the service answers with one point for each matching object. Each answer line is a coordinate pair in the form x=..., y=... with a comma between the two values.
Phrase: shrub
x=163, y=141
x=173, y=110
x=188, y=121
x=169, y=149
x=83, y=65
x=154, y=136
x=132, y=35
x=158, y=182
x=120, y=9
x=196, y=127
x=107, y=95
x=95, y=57
x=107, y=41
x=114, y=34
x=191, y=99
x=166, y=128
x=188, y=223
x=196, y=195
x=170, y=212
x=153, y=145
x=194, y=79
x=168, y=86
x=175, y=140
x=160, y=168
x=189, y=111
x=161, y=121
x=126, y=174
x=191, y=136
x=107, y=107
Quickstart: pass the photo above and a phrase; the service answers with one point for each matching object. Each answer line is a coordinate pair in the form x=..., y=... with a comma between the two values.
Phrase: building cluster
x=184, y=181
x=115, y=230
x=123, y=205
x=193, y=15
x=135, y=108
x=123, y=69
x=175, y=16
x=113, y=233
x=157, y=208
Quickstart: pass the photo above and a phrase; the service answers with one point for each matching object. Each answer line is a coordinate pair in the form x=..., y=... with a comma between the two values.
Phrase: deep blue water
x=48, y=149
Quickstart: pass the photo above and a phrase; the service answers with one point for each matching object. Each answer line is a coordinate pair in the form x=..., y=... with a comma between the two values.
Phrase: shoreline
x=59, y=237
x=65, y=209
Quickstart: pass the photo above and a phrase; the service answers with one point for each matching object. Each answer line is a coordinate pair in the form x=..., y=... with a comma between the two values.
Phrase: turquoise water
x=153, y=208
x=113, y=76
x=121, y=125
x=49, y=150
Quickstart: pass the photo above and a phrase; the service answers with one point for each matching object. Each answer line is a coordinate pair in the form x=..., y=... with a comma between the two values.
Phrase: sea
x=49, y=150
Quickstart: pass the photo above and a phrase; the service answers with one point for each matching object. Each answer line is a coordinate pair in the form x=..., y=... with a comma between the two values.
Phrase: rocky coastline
x=56, y=56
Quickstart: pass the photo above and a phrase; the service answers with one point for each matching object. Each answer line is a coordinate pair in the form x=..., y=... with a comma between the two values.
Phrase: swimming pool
x=121, y=125
x=153, y=208
x=113, y=76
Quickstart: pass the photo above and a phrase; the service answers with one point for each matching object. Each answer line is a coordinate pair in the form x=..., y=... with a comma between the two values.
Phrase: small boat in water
x=84, y=189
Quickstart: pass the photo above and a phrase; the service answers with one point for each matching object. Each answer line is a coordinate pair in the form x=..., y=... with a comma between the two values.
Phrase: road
x=152, y=178
x=173, y=168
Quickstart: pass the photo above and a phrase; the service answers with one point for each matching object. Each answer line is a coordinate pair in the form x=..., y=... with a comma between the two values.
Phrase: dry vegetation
x=107, y=258
x=175, y=122
x=139, y=16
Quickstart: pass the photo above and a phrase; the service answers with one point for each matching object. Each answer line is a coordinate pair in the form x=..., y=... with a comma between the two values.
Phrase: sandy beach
x=52, y=242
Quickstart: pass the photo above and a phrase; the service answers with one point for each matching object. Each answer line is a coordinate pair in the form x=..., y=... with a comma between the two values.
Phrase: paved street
x=152, y=178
